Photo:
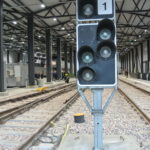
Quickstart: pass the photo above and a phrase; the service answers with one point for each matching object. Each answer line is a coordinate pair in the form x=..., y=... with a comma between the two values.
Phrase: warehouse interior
x=74, y=74
x=38, y=38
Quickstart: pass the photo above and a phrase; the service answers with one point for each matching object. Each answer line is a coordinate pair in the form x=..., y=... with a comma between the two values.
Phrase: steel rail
x=139, y=88
x=29, y=142
x=8, y=114
x=22, y=97
x=127, y=98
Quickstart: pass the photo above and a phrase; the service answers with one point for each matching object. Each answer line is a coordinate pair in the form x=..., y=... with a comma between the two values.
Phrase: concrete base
x=43, y=147
x=3, y=93
x=85, y=142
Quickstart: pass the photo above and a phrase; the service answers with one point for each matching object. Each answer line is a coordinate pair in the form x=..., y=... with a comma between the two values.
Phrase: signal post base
x=85, y=142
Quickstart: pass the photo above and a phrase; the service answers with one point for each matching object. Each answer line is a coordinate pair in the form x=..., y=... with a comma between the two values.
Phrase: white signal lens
x=105, y=34
x=105, y=52
x=87, y=75
x=87, y=57
x=88, y=10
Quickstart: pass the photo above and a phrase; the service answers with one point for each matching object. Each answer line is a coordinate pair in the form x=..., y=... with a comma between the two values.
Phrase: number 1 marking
x=105, y=5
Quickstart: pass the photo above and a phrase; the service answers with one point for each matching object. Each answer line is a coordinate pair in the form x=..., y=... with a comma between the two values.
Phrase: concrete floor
x=85, y=142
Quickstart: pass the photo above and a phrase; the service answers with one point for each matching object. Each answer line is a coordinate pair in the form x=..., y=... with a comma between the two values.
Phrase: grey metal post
x=123, y=62
x=49, y=55
x=129, y=62
x=30, y=50
x=8, y=56
x=136, y=59
x=58, y=59
x=66, y=57
x=74, y=56
x=71, y=60
x=126, y=61
x=2, y=86
x=142, y=58
x=19, y=56
x=98, y=135
x=133, y=62
x=148, y=54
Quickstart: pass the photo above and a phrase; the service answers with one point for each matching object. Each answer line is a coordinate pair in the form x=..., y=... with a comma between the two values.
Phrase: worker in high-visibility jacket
x=66, y=77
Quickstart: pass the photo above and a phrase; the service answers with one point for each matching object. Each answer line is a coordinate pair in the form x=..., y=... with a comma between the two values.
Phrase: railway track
x=146, y=91
x=119, y=119
x=10, y=110
x=138, y=97
x=31, y=94
x=19, y=132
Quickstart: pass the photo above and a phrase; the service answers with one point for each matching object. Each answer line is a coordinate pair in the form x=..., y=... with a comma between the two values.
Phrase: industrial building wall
x=137, y=60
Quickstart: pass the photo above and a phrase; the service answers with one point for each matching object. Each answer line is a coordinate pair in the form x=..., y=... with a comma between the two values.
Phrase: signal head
x=86, y=75
x=106, y=30
x=87, y=8
x=106, y=49
x=86, y=55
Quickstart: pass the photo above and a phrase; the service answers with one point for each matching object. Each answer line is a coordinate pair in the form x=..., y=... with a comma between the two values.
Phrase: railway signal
x=96, y=54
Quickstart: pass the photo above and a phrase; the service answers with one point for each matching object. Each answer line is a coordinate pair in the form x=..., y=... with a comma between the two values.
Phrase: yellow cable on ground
x=52, y=123
x=65, y=133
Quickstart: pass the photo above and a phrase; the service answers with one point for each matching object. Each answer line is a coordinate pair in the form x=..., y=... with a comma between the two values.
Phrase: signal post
x=96, y=58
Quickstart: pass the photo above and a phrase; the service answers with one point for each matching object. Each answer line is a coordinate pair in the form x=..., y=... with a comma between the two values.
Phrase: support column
x=7, y=56
x=123, y=63
x=2, y=86
x=49, y=55
x=141, y=58
x=136, y=59
x=59, y=75
x=30, y=50
x=127, y=62
x=71, y=59
x=19, y=56
x=66, y=57
x=148, y=54
x=74, y=56
x=133, y=64
x=129, y=58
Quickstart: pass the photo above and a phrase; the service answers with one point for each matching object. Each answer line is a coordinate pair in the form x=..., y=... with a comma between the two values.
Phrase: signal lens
x=87, y=75
x=105, y=52
x=105, y=34
x=87, y=57
x=88, y=10
x=106, y=30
